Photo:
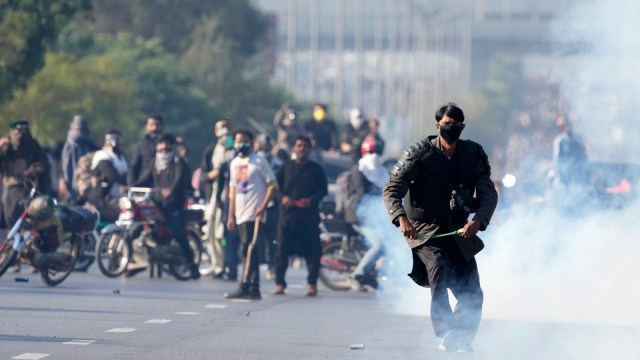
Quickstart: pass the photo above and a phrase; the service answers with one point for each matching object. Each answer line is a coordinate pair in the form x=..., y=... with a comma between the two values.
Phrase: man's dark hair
x=167, y=139
x=244, y=132
x=113, y=132
x=304, y=139
x=156, y=117
x=322, y=106
x=451, y=110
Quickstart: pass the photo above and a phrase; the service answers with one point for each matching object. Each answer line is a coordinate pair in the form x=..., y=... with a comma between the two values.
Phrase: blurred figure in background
x=213, y=159
x=145, y=148
x=322, y=129
x=78, y=144
x=569, y=155
x=354, y=134
x=109, y=169
x=374, y=130
x=288, y=129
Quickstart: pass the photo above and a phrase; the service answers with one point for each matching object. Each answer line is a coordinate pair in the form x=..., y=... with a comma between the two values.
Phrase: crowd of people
x=262, y=196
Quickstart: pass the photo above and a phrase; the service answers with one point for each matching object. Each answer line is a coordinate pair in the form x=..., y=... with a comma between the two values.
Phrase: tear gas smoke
x=550, y=262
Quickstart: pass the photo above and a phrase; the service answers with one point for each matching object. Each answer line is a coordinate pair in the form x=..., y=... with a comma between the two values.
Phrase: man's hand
x=259, y=213
x=470, y=229
x=286, y=201
x=303, y=203
x=213, y=174
x=231, y=223
x=4, y=141
x=166, y=192
x=407, y=229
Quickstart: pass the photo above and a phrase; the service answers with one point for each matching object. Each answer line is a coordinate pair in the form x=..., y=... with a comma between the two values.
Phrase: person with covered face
x=213, y=161
x=109, y=169
x=252, y=185
x=78, y=144
x=144, y=150
x=170, y=174
x=322, y=129
x=286, y=123
x=354, y=134
x=21, y=156
x=439, y=176
x=302, y=184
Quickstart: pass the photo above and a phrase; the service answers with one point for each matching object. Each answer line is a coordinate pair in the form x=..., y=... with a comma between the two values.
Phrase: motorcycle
x=36, y=240
x=343, y=247
x=139, y=237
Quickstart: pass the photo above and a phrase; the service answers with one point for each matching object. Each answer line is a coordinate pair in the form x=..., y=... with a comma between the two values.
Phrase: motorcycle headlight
x=124, y=203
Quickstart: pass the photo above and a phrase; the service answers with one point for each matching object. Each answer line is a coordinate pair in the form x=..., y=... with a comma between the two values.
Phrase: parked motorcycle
x=46, y=236
x=139, y=237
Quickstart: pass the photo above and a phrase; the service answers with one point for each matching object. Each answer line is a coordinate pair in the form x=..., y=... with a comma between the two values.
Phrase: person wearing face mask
x=171, y=175
x=78, y=144
x=322, y=129
x=213, y=171
x=439, y=175
x=286, y=123
x=252, y=185
x=354, y=134
x=144, y=150
x=109, y=169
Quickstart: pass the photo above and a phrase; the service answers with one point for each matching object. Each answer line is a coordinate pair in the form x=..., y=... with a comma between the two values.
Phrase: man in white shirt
x=252, y=185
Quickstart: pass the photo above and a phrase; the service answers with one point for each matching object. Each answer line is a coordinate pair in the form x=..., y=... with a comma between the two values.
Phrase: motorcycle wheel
x=112, y=254
x=336, y=265
x=88, y=253
x=53, y=276
x=7, y=255
x=183, y=271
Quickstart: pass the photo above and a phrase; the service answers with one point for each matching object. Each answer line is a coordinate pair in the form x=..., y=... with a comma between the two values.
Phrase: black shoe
x=243, y=293
x=195, y=272
x=219, y=275
x=133, y=272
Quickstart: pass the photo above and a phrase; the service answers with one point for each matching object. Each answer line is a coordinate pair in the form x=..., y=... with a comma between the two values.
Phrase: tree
x=115, y=82
x=27, y=27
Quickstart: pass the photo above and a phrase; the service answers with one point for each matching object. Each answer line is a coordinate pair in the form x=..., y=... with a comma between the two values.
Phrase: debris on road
x=357, y=346
x=116, y=291
x=22, y=279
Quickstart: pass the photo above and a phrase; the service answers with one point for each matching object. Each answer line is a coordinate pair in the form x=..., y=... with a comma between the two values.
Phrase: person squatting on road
x=440, y=174
x=302, y=184
x=251, y=186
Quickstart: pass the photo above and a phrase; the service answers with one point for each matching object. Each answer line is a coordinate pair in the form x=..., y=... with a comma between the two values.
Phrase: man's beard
x=16, y=140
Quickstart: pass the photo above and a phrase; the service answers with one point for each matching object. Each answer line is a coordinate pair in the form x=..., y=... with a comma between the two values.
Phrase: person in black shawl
x=302, y=183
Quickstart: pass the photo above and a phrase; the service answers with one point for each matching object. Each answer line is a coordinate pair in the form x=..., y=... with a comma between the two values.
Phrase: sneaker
x=279, y=290
x=465, y=348
x=449, y=342
x=243, y=293
x=312, y=290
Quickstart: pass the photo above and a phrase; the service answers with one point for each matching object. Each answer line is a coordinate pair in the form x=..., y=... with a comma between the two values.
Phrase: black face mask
x=242, y=149
x=450, y=133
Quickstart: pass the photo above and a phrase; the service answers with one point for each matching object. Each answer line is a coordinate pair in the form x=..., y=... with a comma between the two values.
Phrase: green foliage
x=26, y=28
x=114, y=84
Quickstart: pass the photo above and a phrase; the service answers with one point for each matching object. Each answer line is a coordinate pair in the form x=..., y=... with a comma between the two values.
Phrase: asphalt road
x=84, y=318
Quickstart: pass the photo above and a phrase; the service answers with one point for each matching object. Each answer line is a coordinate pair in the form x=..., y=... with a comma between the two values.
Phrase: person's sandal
x=312, y=290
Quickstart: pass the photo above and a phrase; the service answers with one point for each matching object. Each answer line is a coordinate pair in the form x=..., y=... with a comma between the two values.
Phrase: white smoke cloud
x=543, y=263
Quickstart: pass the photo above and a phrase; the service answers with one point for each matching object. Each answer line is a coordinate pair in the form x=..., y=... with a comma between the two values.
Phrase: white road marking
x=79, y=342
x=241, y=300
x=157, y=321
x=121, y=330
x=187, y=313
x=31, y=356
x=216, y=306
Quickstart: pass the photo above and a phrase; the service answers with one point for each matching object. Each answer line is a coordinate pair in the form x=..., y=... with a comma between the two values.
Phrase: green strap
x=421, y=235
